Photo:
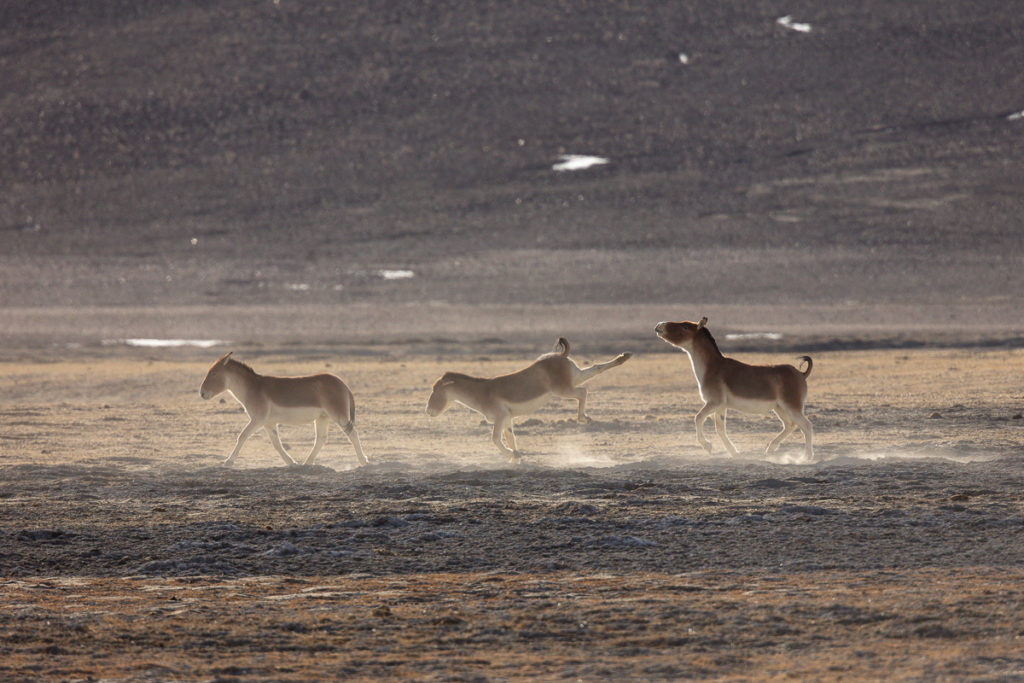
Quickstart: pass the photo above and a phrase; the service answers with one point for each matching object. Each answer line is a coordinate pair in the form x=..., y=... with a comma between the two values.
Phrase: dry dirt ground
x=617, y=550
x=259, y=172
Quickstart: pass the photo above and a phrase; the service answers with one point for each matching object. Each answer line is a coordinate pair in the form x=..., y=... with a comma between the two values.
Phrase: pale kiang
x=500, y=399
x=728, y=384
x=271, y=401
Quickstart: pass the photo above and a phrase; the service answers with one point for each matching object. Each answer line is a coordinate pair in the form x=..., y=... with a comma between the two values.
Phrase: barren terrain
x=372, y=188
x=617, y=549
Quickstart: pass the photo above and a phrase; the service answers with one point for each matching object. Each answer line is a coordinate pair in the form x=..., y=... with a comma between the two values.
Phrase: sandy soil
x=617, y=550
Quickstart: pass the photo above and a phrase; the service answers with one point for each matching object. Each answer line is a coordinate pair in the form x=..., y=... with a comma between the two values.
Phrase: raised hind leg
x=720, y=428
x=320, y=425
x=582, y=376
x=275, y=439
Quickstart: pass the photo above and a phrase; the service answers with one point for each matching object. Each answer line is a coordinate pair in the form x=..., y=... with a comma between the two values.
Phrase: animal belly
x=294, y=415
x=527, y=407
x=750, y=405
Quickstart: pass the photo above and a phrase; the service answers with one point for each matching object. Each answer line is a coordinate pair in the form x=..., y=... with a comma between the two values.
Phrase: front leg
x=699, y=420
x=720, y=428
x=510, y=438
x=276, y=440
x=502, y=423
x=248, y=431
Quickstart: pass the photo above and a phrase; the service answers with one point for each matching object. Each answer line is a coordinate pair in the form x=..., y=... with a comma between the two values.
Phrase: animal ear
x=225, y=358
x=702, y=323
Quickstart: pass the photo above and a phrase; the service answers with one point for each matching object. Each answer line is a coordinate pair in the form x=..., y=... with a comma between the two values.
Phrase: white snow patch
x=1016, y=116
x=164, y=343
x=297, y=287
x=578, y=162
x=395, y=274
x=787, y=22
x=746, y=336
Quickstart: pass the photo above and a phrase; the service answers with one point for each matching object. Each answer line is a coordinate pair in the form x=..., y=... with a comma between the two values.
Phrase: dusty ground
x=617, y=550
x=259, y=172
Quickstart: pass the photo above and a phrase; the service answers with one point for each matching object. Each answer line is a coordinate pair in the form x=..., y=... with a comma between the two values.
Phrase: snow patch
x=164, y=343
x=395, y=274
x=787, y=22
x=578, y=162
x=747, y=336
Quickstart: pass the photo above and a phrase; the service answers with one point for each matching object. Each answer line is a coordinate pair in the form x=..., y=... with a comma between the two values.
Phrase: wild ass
x=727, y=384
x=272, y=401
x=502, y=398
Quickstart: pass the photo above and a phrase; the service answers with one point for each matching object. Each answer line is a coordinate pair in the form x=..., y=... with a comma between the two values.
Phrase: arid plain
x=372, y=189
x=618, y=549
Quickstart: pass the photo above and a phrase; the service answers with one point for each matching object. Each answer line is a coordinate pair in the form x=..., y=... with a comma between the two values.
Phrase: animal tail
x=810, y=365
x=562, y=346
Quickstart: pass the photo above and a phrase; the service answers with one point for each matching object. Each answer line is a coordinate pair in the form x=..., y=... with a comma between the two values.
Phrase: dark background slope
x=158, y=153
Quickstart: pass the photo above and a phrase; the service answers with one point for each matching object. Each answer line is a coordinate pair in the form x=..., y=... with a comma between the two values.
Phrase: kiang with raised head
x=272, y=401
x=500, y=399
x=727, y=384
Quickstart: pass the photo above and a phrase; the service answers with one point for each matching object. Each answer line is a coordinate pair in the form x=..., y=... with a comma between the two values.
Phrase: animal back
x=301, y=392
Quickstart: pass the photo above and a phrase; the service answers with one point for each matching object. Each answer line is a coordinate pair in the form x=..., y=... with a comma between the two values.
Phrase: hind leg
x=808, y=430
x=788, y=425
x=353, y=437
x=580, y=394
x=320, y=425
x=582, y=376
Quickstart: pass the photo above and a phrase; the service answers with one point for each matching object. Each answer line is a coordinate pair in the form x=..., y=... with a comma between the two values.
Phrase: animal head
x=681, y=334
x=216, y=379
x=439, y=397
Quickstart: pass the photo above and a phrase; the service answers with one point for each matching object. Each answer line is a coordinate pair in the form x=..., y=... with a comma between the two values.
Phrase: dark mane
x=242, y=366
x=707, y=333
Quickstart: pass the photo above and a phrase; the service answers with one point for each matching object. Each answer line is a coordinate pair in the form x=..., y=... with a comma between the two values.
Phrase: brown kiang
x=728, y=384
x=502, y=398
x=272, y=401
